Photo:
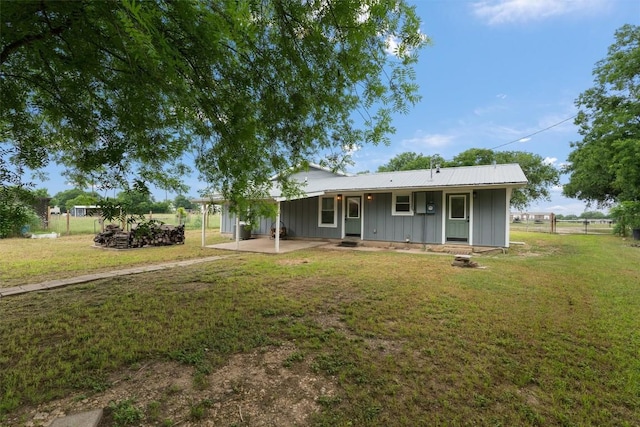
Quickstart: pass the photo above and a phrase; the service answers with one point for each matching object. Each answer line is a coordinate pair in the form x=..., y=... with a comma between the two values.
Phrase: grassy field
x=565, y=227
x=91, y=225
x=27, y=261
x=547, y=334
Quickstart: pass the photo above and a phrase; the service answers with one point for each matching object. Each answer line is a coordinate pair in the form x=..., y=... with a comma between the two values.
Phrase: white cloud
x=524, y=140
x=427, y=141
x=517, y=11
x=501, y=96
x=550, y=160
x=351, y=149
x=391, y=45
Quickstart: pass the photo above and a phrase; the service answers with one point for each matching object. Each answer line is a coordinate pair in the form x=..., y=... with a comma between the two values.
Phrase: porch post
x=507, y=225
x=204, y=221
x=277, y=236
x=237, y=231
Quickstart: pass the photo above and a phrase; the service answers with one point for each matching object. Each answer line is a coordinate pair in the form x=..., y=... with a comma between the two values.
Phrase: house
x=84, y=210
x=459, y=205
x=531, y=216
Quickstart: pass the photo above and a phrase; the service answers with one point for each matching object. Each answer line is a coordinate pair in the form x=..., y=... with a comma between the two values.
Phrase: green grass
x=91, y=224
x=547, y=334
x=27, y=261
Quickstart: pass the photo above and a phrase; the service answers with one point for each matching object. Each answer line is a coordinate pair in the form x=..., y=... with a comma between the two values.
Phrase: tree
x=182, y=201
x=120, y=91
x=17, y=209
x=540, y=174
x=85, y=199
x=593, y=215
x=136, y=202
x=411, y=161
x=627, y=217
x=604, y=167
x=66, y=199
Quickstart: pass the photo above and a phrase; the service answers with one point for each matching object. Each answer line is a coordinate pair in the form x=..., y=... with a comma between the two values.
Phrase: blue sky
x=496, y=72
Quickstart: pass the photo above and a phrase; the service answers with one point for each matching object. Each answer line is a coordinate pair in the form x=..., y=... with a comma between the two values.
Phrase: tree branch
x=30, y=38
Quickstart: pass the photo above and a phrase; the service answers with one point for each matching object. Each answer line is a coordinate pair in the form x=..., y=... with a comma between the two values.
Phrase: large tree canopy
x=117, y=90
x=541, y=175
x=411, y=161
x=605, y=165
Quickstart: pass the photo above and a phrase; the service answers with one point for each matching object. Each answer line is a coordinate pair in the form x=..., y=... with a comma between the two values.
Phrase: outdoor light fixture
x=368, y=196
x=339, y=197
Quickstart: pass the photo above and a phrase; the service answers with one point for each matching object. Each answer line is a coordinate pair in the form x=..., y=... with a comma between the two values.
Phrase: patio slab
x=268, y=246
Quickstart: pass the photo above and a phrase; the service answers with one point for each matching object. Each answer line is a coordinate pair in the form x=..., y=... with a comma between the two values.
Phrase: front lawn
x=547, y=334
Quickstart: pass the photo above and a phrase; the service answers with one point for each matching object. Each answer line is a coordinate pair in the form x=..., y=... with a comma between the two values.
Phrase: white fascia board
x=304, y=196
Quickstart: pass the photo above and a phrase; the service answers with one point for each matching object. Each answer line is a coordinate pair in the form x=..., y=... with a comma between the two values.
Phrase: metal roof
x=312, y=184
x=423, y=179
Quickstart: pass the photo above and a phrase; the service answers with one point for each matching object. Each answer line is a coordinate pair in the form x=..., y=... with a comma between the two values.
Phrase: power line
x=535, y=133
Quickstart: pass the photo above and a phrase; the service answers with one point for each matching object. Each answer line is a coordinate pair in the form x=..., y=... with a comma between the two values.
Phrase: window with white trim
x=327, y=212
x=401, y=204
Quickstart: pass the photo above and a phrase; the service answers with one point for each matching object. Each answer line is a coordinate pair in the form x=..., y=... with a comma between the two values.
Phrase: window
x=327, y=212
x=353, y=207
x=457, y=207
x=401, y=204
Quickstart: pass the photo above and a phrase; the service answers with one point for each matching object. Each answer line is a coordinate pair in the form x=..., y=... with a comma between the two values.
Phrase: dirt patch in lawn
x=255, y=389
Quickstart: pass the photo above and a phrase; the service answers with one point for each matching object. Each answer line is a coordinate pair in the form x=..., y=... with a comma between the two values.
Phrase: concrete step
x=82, y=419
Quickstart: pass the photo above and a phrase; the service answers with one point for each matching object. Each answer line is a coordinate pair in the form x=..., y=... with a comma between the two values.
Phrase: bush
x=125, y=413
x=627, y=217
x=14, y=215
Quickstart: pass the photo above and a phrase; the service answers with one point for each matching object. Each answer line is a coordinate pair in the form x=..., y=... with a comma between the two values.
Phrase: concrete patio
x=265, y=245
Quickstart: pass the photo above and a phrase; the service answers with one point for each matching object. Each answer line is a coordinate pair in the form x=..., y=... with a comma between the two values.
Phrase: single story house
x=458, y=205
x=531, y=216
x=84, y=210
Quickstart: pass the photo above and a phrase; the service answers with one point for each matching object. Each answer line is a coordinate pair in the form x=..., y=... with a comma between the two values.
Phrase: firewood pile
x=150, y=233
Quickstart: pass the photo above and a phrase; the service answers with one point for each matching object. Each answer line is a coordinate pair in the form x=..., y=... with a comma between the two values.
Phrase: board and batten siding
x=380, y=224
x=301, y=219
x=228, y=222
x=489, y=210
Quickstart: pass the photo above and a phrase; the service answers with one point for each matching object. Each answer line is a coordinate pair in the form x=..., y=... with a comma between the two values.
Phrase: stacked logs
x=156, y=234
x=150, y=233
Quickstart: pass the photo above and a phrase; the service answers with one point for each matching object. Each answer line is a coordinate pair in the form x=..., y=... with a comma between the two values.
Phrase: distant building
x=530, y=216
x=84, y=210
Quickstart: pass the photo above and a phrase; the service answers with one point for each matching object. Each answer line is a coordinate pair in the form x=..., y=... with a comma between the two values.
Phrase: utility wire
x=535, y=133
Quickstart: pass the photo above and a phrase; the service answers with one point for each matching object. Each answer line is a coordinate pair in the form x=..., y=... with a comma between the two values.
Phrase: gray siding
x=380, y=224
x=489, y=210
x=301, y=219
x=228, y=221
